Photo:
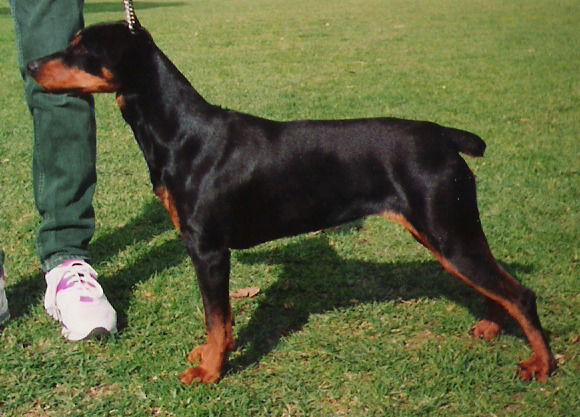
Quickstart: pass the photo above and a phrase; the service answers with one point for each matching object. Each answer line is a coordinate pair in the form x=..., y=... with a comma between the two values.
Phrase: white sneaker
x=75, y=298
x=4, y=314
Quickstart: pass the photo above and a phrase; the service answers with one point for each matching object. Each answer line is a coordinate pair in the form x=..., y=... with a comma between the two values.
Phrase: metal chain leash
x=130, y=17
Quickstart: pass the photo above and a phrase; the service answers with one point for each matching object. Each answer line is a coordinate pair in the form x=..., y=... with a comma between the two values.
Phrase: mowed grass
x=354, y=321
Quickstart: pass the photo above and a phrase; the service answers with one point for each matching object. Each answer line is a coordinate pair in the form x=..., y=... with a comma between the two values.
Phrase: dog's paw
x=536, y=368
x=198, y=374
x=485, y=329
x=209, y=366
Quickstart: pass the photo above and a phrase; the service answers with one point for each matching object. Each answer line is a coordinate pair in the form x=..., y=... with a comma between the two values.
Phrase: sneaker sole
x=97, y=333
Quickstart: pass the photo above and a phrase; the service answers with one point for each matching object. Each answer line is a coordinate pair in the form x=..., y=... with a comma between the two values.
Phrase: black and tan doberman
x=231, y=181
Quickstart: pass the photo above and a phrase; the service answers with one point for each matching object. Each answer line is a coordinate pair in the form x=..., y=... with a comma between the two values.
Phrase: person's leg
x=64, y=175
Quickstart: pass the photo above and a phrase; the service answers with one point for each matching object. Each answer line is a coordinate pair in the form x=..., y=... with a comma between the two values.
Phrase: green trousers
x=63, y=156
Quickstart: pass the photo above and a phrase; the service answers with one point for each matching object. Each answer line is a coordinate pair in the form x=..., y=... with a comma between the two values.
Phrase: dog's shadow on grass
x=120, y=284
x=315, y=279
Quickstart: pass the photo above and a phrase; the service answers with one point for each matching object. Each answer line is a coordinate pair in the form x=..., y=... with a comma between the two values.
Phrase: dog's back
x=284, y=178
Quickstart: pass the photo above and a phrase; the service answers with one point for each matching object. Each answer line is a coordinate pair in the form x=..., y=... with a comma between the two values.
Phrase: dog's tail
x=466, y=142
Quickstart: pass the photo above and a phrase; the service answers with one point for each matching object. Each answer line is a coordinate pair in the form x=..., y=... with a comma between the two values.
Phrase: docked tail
x=466, y=142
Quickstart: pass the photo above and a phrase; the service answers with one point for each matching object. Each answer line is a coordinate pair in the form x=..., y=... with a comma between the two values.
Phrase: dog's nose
x=33, y=67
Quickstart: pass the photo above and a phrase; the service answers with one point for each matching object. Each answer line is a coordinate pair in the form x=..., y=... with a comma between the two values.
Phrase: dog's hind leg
x=484, y=275
x=467, y=257
x=448, y=224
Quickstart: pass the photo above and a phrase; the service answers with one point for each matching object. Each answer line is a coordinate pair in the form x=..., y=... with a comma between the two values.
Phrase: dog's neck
x=162, y=108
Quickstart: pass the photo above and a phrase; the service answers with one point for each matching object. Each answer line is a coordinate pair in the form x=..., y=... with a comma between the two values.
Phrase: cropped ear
x=125, y=46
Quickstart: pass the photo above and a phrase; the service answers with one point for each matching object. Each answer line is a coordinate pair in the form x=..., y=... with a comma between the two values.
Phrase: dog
x=230, y=180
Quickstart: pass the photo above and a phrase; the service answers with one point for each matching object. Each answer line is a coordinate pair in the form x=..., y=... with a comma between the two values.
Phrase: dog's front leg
x=213, y=268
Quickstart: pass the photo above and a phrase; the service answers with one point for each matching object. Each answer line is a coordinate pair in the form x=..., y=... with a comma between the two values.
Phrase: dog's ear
x=118, y=42
x=125, y=49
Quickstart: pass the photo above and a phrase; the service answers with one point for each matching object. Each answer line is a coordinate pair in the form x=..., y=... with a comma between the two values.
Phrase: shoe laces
x=82, y=278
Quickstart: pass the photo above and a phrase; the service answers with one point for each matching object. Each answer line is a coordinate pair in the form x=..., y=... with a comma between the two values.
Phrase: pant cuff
x=56, y=260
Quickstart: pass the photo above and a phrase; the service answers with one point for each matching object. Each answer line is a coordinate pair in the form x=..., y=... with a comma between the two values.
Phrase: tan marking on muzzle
x=55, y=76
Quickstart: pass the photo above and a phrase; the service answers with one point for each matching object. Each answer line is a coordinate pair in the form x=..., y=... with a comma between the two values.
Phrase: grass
x=355, y=321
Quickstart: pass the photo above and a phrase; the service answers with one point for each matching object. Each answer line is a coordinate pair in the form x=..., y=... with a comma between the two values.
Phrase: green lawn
x=354, y=321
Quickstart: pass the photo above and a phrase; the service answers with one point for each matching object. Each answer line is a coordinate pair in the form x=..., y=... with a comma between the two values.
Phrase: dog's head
x=97, y=60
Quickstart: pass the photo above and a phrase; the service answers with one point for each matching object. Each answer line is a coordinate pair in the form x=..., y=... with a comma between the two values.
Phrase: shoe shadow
x=24, y=294
x=314, y=279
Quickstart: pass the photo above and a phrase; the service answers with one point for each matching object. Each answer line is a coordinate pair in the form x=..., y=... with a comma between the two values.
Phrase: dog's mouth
x=54, y=76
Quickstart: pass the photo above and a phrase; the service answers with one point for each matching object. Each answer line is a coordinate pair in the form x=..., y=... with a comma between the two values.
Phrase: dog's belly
x=268, y=216
x=248, y=234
